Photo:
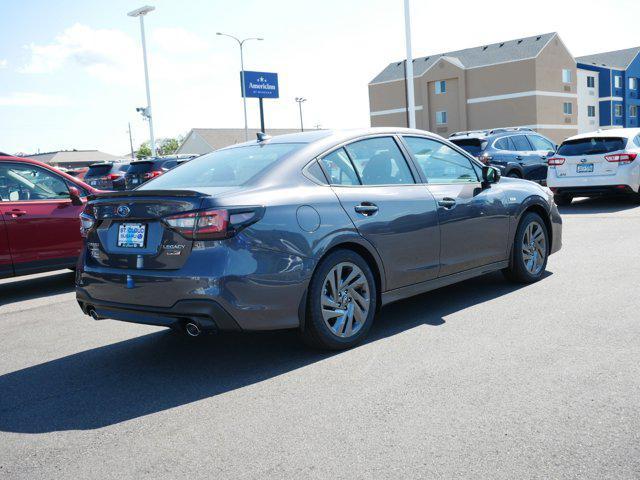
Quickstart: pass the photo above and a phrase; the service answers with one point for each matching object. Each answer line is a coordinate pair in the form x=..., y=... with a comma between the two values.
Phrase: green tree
x=144, y=151
x=168, y=146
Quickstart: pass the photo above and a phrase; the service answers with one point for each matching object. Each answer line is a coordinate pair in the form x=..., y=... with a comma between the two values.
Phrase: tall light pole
x=244, y=99
x=141, y=12
x=300, y=100
x=411, y=110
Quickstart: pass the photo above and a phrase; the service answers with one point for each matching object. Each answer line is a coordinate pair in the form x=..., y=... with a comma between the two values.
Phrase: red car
x=39, y=224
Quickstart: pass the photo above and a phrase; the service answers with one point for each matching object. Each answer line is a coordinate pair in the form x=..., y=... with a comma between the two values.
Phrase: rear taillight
x=621, y=158
x=153, y=174
x=555, y=161
x=114, y=176
x=213, y=224
x=87, y=220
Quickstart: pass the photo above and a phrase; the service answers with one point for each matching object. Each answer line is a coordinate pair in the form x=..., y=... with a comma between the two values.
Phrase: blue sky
x=71, y=71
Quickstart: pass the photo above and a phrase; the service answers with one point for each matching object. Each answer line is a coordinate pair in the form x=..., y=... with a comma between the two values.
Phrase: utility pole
x=411, y=111
x=131, y=142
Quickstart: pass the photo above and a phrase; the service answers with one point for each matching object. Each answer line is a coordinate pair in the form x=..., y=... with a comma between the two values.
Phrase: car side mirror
x=490, y=175
x=74, y=194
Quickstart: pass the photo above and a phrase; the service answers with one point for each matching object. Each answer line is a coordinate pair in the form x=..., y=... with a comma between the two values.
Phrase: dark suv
x=517, y=152
x=144, y=170
x=106, y=176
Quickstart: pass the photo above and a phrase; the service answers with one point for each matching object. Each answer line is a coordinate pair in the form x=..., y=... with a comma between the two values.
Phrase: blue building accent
x=617, y=97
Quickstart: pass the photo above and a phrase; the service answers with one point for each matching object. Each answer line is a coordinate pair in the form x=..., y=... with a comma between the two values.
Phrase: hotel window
x=633, y=111
x=633, y=83
x=591, y=82
x=566, y=75
x=567, y=108
x=441, y=118
x=618, y=110
x=441, y=87
x=591, y=111
x=617, y=81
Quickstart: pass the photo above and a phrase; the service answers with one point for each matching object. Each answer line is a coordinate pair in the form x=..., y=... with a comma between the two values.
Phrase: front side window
x=228, y=167
x=540, y=143
x=618, y=110
x=633, y=83
x=591, y=111
x=617, y=81
x=30, y=183
x=521, y=143
x=441, y=118
x=379, y=161
x=441, y=163
x=441, y=87
x=566, y=75
x=339, y=168
x=591, y=82
x=567, y=108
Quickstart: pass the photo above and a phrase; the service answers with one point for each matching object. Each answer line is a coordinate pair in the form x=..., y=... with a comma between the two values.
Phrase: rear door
x=42, y=225
x=526, y=157
x=474, y=221
x=6, y=265
x=377, y=188
x=585, y=157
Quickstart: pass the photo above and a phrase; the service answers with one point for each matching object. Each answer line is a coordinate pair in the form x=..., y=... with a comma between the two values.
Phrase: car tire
x=526, y=264
x=341, y=318
x=562, y=199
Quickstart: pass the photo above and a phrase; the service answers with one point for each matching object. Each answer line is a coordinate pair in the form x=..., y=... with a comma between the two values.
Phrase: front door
x=474, y=222
x=42, y=225
x=377, y=189
x=6, y=266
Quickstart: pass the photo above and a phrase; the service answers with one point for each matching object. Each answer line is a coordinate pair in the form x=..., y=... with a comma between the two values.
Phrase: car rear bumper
x=594, y=191
x=626, y=176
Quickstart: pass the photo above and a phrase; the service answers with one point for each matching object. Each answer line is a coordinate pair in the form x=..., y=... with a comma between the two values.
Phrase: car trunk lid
x=586, y=157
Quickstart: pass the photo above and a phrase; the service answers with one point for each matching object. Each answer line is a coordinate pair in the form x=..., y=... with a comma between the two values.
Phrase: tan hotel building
x=527, y=82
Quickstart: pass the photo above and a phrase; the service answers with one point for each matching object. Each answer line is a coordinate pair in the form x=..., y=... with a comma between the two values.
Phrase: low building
x=612, y=78
x=204, y=140
x=73, y=158
x=526, y=82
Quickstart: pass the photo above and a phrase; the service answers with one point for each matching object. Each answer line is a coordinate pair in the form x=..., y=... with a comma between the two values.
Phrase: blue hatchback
x=517, y=152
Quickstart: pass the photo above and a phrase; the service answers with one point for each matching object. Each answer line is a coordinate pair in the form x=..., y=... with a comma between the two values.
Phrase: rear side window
x=592, y=146
x=441, y=163
x=223, y=168
x=339, y=168
x=505, y=143
x=473, y=146
x=521, y=143
x=379, y=161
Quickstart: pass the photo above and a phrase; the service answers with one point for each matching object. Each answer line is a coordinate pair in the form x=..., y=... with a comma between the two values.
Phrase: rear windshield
x=223, y=168
x=592, y=146
x=140, y=167
x=474, y=146
x=98, y=170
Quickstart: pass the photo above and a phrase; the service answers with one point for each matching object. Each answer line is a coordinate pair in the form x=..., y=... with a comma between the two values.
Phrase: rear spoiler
x=146, y=193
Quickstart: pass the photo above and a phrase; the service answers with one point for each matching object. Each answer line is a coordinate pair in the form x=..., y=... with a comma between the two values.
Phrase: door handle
x=16, y=213
x=366, y=208
x=447, y=202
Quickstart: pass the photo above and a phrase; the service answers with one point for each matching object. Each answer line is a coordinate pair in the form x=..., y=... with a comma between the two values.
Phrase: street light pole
x=411, y=111
x=244, y=98
x=141, y=12
x=300, y=100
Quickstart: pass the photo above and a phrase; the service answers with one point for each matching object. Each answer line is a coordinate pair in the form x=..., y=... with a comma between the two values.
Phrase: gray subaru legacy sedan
x=313, y=231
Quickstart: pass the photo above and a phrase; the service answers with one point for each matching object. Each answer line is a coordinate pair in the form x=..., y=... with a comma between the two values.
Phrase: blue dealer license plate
x=131, y=235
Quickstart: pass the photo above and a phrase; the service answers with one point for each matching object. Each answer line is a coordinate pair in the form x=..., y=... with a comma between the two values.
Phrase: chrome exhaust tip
x=192, y=329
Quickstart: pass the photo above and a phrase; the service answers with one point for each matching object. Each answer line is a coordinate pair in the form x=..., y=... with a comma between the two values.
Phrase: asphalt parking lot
x=478, y=380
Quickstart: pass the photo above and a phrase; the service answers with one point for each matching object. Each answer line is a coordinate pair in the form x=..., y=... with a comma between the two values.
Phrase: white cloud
x=178, y=40
x=32, y=99
x=3, y=63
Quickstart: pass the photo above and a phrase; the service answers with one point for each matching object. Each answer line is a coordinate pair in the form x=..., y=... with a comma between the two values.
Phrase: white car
x=597, y=163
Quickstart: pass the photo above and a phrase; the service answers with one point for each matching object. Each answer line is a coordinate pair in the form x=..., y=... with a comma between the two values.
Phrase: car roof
x=610, y=132
x=493, y=133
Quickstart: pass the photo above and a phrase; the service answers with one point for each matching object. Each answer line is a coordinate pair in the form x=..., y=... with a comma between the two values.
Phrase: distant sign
x=260, y=84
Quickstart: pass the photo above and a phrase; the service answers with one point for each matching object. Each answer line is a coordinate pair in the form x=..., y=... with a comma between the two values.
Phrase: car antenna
x=263, y=136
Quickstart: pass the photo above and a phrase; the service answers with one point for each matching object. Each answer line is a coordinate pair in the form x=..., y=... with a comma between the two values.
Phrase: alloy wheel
x=534, y=248
x=345, y=299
